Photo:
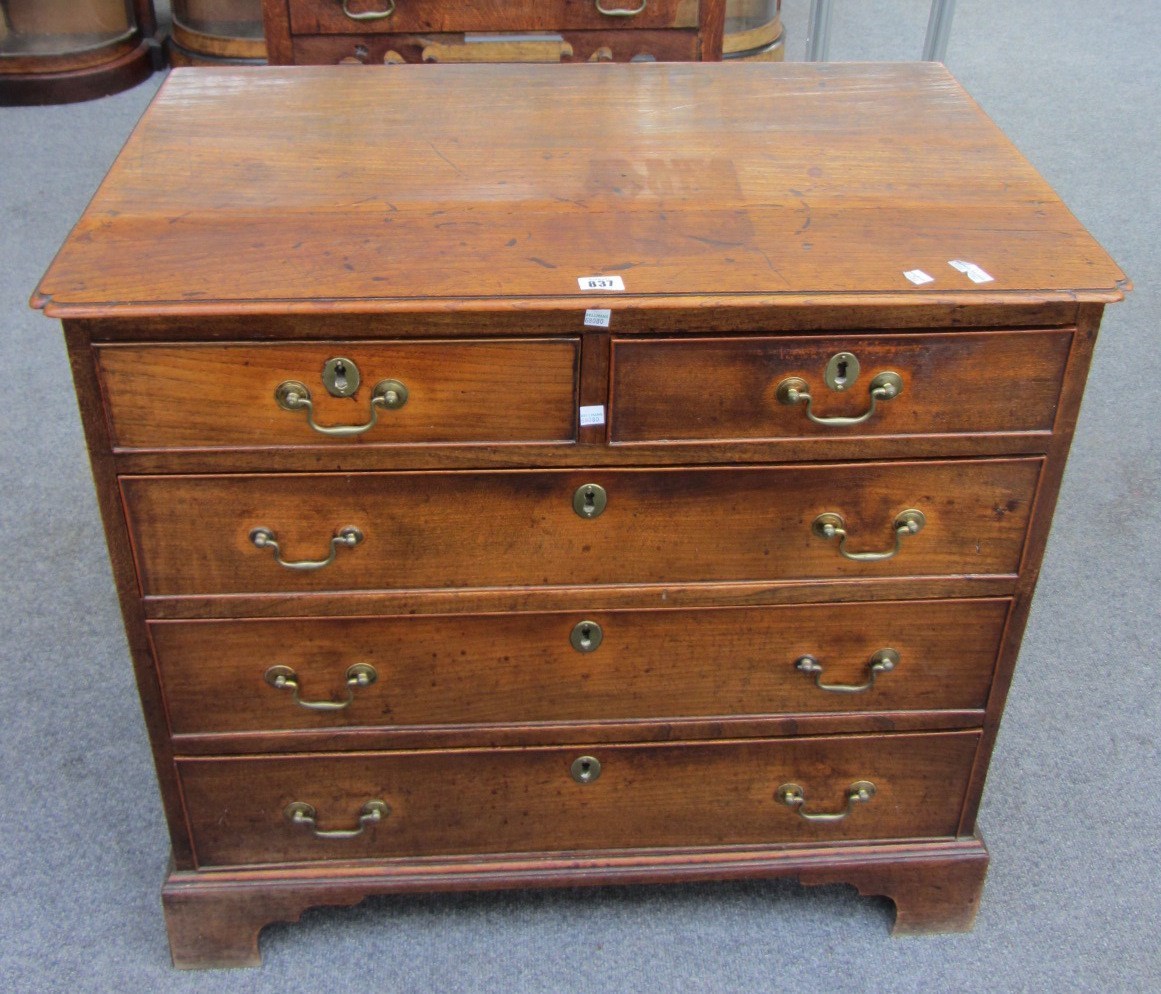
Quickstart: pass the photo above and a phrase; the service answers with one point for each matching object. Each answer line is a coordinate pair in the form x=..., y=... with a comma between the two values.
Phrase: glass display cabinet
x=216, y=32
x=56, y=51
x=754, y=31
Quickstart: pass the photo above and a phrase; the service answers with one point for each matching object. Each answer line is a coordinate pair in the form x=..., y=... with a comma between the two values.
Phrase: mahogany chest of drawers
x=377, y=32
x=519, y=476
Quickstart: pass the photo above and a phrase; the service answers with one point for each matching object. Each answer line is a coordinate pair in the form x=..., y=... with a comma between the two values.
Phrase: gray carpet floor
x=1073, y=900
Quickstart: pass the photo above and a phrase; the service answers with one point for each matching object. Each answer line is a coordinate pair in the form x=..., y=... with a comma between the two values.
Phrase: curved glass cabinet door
x=216, y=32
x=56, y=51
x=754, y=31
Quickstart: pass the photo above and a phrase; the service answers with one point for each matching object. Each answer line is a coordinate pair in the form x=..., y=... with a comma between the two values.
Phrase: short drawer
x=222, y=395
x=435, y=803
x=377, y=531
x=728, y=389
x=565, y=46
x=318, y=673
x=347, y=16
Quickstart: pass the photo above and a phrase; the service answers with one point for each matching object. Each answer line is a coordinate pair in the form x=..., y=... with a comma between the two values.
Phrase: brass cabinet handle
x=284, y=678
x=294, y=396
x=830, y=525
x=620, y=11
x=794, y=390
x=793, y=796
x=345, y=538
x=370, y=15
x=882, y=661
x=301, y=813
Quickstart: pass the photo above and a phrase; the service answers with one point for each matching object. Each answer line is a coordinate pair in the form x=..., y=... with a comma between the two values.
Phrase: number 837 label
x=601, y=282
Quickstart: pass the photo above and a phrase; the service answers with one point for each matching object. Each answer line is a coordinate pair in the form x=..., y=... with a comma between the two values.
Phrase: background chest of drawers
x=434, y=578
x=326, y=32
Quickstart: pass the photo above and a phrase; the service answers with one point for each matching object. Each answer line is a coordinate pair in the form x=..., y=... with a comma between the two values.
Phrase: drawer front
x=223, y=534
x=574, y=46
x=526, y=800
x=206, y=396
x=222, y=676
x=728, y=389
x=329, y=16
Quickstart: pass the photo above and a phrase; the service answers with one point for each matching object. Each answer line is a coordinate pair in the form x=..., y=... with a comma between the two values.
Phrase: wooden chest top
x=440, y=187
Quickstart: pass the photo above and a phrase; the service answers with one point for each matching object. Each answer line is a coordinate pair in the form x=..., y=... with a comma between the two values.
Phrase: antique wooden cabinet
x=374, y=32
x=519, y=476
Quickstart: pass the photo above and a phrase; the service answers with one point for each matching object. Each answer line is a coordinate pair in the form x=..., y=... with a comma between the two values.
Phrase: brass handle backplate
x=882, y=661
x=793, y=796
x=284, y=678
x=795, y=390
x=830, y=525
x=621, y=11
x=301, y=813
x=369, y=15
x=292, y=395
x=345, y=538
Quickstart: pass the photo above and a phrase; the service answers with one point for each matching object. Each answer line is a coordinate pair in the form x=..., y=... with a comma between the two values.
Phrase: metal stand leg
x=818, y=31
x=938, y=30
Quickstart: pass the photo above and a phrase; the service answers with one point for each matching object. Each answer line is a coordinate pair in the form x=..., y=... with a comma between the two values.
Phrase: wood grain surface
x=520, y=668
x=724, y=388
x=442, y=530
x=223, y=395
x=511, y=182
x=576, y=46
x=327, y=17
x=524, y=800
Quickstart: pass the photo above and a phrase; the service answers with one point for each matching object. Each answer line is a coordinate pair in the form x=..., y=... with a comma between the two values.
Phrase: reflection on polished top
x=263, y=188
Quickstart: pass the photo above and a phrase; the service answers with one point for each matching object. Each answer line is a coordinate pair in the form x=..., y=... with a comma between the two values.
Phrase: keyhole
x=588, y=500
x=586, y=636
x=585, y=769
x=841, y=377
x=340, y=376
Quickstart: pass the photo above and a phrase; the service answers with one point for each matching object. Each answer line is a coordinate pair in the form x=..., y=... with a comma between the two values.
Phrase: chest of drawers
x=442, y=570
x=376, y=32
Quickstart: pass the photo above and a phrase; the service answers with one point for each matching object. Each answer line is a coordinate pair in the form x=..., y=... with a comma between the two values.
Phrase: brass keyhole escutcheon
x=585, y=769
x=841, y=371
x=590, y=500
x=586, y=636
x=341, y=377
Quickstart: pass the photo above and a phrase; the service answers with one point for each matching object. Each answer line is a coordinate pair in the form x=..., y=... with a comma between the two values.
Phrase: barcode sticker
x=597, y=317
x=601, y=282
x=919, y=277
x=592, y=415
x=970, y=270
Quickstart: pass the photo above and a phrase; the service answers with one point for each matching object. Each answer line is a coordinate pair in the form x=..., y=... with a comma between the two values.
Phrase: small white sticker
x=919, y=277
x=597, y=317
x=601, y=282
x=593, y=415
x=970, y=270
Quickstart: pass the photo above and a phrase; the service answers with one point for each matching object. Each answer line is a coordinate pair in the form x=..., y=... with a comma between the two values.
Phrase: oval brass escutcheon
x=589, y=500
x=586, y=636
x=585, y=769
x=341, y=377
x=841, y=371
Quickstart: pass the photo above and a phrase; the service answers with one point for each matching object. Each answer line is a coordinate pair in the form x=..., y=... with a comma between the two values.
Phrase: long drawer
x=563, y=46
x=728, y=389
x=318, y=673
x=219, y=395
x=374, y=531
x=334, y=16
x=605, y=797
